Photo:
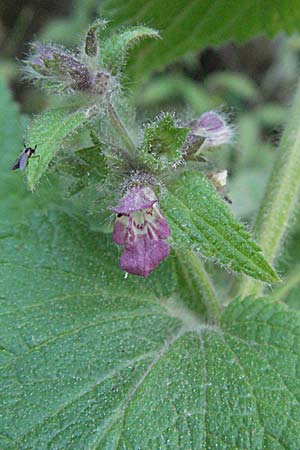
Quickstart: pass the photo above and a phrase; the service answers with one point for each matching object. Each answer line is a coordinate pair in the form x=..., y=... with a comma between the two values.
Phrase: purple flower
x=142, y=229
x=213, y=128
x=59, y=65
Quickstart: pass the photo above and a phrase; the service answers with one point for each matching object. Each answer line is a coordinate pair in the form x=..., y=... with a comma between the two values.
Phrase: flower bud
x=78, y=72
x=219, y=179
x=101, y=83
x=213, y=128
x=40, y=58
x=61, y=68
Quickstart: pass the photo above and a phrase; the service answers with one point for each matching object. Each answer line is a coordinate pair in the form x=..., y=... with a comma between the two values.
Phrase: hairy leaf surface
x=48, y=131
x=200, y=219
x=163, y=142
x=189, y=25
x=115, y=48
x=90, y=359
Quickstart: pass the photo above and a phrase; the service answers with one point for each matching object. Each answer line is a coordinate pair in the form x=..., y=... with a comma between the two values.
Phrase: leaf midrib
x=124, y=404
x=238, y=250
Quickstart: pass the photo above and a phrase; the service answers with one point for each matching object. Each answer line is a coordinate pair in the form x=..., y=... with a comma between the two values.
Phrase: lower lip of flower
x=144, y=234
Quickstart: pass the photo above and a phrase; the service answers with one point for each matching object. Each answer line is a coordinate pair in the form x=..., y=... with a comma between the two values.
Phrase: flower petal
x=141, y=257
x=210, y=122
x=136, y=199
x=121, y=229
x=157, y=222
x=214, y=129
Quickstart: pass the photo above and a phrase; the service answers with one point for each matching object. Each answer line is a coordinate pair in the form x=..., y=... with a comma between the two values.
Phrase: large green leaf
x=92, y=360
x=188, y=25
x=49, y=131
x=200, y=219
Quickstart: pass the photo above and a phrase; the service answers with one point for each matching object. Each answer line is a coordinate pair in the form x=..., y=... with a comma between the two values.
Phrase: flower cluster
x=96, y=69
x=142, y=229
x=140, y=225
x=61, y=71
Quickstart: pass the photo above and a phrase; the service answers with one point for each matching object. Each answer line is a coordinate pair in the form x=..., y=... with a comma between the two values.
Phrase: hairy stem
x=119, y=126
x=280, y=198
x=291, y=282
x=195, y=287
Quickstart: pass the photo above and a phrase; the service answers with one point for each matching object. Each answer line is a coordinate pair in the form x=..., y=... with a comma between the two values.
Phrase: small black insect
x=22, y=161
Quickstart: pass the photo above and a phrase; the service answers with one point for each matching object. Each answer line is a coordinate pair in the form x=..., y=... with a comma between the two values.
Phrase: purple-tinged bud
x=78, y=72
x=101, y=83
x=40, y=58
x=213, y=129
x=41, y=52
x=58, y=69
x=62, y=68
x=44, y=52
x=37, y=64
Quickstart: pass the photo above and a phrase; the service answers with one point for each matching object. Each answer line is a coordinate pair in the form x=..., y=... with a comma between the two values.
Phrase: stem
x=118, y=124
x=125, y=153
x=195, y=286
x=280, y=198
x=291, y=282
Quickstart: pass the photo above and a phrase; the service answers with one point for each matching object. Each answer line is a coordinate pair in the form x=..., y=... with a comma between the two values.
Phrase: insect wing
x=23, y=160
x=18, y=162
x=16, y=165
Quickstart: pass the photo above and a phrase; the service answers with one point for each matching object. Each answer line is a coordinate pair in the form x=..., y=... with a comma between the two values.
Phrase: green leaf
x=281, y=196
x=87, y=166
x=49, y=131
x=114, y=50
x=200, y=219
x=91, y=38
x=289, y=291
x=92, y=360
x=189, y=25
x=163, y=142
x=195, y=288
